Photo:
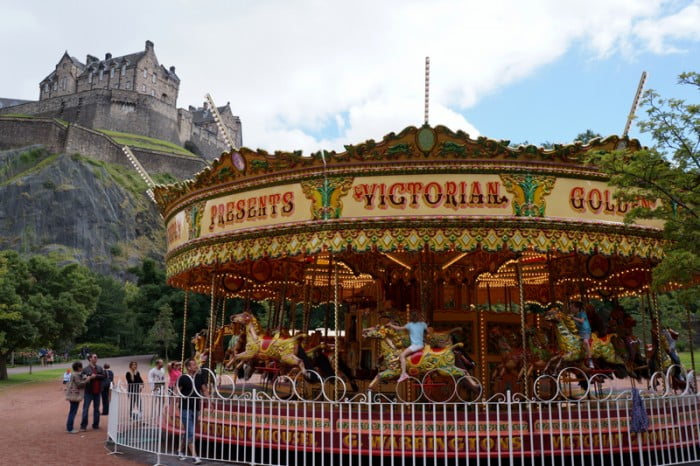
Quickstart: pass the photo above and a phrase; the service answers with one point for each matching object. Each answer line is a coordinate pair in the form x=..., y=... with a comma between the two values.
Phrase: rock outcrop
x=78, y=209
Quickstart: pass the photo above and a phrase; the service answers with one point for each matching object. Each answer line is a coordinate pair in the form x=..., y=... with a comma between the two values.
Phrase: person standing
x=156, y=377
x=74, y=393
x=107, y=389
x=93, y=392
x=135, y=384
x=174, y=373
x=192, y=387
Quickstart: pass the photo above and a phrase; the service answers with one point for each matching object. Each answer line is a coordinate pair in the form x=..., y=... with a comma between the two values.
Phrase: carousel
x=490, y=245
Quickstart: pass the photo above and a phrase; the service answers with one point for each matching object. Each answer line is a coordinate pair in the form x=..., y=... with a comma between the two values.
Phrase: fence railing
x=258, y=426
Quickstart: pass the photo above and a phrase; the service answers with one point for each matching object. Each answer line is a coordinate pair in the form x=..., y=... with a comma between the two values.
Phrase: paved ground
x=33, y=427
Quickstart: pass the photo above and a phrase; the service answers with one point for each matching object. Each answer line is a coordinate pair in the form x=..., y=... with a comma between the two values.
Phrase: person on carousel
x=416, y=329
x=579, y=315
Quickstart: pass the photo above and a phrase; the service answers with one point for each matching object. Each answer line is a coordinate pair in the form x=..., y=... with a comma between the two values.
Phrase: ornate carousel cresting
x=490, y=243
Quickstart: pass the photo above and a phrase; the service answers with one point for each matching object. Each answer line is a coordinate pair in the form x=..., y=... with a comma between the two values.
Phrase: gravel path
x=33, y=427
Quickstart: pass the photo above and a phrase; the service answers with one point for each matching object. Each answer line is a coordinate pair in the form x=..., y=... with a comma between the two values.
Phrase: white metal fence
x=276, y=426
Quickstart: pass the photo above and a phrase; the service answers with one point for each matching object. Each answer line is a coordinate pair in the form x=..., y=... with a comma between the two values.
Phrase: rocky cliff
x=77, y=209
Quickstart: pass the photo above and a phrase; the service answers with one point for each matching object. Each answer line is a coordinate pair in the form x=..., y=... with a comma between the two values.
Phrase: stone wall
x=57, y=138
x=111, y=109
x=21, y=132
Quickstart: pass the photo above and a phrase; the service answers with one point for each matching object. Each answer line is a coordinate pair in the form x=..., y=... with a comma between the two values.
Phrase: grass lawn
x=134, y=140
x=685, y=360
x=48, y=375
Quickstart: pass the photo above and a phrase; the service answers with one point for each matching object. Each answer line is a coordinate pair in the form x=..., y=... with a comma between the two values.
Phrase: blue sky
x=565, y=98
x=318, y=74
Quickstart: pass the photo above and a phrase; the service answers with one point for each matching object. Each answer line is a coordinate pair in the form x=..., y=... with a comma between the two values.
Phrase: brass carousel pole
x=690, y=338
x=184, y=328
x=335, y=337
x=522, y=324
x=331, y=263
x=223, y=324
x=657, y=326
x=212, y=314
x=643, y=311
x=308, y=296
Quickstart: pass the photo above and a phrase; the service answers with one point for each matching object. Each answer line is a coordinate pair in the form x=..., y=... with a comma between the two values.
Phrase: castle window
x=111, y=73
x=123, y=70
x=128, y=84
x=102, y=72
x=153, y=79
x=143, y=88
x=153, y=93
x=145, y=73
x=90, y=77
x=55, y=85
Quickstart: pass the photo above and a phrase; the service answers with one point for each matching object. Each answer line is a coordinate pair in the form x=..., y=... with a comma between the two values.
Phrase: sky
x=320, y=74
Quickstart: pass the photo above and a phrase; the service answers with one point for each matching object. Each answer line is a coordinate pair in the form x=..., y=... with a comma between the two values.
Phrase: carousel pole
x=212, y=313
x=184, y=328
x=335, y=336
x=642, y=311
x=657, y=326
x=483, y=366
x=690, y=338
x=308, y=295
x=522, y=324
x=331, y=264
x=488, y=294
x=223, y=323
x=282, y=307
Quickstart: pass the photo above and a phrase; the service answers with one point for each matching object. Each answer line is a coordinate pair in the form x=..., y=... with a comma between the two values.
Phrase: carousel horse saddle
x=265, y=343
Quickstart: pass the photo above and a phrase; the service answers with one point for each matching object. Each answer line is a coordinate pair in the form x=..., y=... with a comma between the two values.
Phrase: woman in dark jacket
x=135, y=383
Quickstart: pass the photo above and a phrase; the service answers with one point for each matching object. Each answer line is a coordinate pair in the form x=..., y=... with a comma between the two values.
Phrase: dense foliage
x=668, y=172
x=42, y=303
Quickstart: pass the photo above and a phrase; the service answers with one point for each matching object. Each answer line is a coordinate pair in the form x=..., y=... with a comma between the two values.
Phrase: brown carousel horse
x=391, y=345
x=265, y=347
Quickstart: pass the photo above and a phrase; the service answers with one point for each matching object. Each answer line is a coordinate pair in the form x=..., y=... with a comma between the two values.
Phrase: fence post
x=509, y=410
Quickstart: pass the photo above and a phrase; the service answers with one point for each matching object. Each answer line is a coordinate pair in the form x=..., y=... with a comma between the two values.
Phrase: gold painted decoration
x=438, y=239
x=325, y=195
x=412, y=145
x=529, y=192
x=193, y=216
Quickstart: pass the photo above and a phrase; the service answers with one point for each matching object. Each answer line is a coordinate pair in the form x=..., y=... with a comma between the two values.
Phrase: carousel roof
x=413, y=145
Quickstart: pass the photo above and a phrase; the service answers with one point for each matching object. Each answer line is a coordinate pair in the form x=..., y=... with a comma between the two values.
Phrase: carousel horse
x=315, y=357
x=264, y=347
x=506, y=374
x=391, y=345
x=666, y=358
x=538, y=351
x=571, y=347
x=201, y=348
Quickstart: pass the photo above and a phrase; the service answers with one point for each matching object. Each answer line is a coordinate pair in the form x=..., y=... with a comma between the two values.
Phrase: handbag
x=74, y=393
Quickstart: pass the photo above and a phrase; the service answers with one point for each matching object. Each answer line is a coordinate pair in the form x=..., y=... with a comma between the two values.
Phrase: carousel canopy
x=427, y=205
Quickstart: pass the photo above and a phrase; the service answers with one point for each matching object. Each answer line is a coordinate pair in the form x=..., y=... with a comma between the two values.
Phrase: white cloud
x=293, y=69
x=660, y=33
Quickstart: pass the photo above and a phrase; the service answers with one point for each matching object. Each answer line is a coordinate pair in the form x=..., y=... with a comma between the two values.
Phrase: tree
x=41, y=303
x=162, y=335
x=670, y=173
x=587, y=136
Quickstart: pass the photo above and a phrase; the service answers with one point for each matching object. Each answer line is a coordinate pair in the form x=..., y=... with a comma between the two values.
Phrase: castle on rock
x=132, y=93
